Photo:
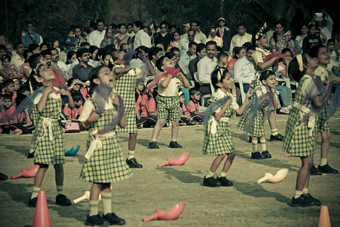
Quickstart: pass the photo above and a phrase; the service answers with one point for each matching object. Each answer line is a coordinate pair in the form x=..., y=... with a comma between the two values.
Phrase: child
x=7, y=108
x=268, y=80
x=48, y=139
x=138, y=98
x=55, y=45
x=167, y=100
x=76, y=86
x=106, y=163
x=185, y=115
x=194, y=106
x=217, y=136
x=70, y=41
x=125, y=79
x=8, y=87
x=300, y=135
x=78, y=101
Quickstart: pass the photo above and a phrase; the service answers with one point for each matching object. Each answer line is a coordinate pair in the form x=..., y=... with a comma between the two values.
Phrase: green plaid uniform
x=106, y=164
x=322, y=124
x=168, y=107
x=47, y=151
x=221, y=142
x=297, y=140
x=257, y=129
x=125, y=85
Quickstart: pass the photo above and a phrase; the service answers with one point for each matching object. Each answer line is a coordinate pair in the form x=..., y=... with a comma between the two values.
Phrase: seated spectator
x=244, y=70
x=83, y=69
x=185, y=115
x=77, y=86
x=70, y=41
x=25, y=68
x=74, y=113
x=193, y=106
x=8, y=87
x=148, y=108
x=9, y=71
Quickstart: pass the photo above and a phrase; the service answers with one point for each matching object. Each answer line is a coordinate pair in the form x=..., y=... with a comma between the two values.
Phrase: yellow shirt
x=217, y=39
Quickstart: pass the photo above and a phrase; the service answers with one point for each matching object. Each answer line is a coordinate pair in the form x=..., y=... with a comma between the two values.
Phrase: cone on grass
x=324, y=220
x=41, y=215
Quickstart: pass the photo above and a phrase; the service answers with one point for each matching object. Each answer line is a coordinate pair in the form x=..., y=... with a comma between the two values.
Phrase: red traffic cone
x=41, y=215
x=324, y=220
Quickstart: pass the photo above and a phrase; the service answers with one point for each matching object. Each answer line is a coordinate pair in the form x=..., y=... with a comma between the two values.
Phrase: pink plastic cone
x=324, y=220
x=41, y=215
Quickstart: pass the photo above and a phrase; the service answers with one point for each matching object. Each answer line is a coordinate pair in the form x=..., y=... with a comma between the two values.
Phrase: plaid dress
x=322, y=124
x=297, y=141
x=257, y=129
x=125, y=85
x=220, y=142
x=48, y=147
x=106, y=164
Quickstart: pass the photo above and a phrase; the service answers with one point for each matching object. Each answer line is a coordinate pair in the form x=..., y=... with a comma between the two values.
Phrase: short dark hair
x=82, y=51
x=211, y=43
x=46, y=52
x=159, y=63
x=17, y=44
x=200, y=47
x=34, y=60
x=139, y=24
x=192, y=44
x=153, y=51
x=100, y=20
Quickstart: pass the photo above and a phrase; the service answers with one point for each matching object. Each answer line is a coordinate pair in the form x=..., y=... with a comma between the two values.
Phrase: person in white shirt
x=184, y=43
x=141, y=37
x=240, y=38
x=206, y=66
x=244, y=70
x=186, y=57
x=96, y=36
x=199, y=36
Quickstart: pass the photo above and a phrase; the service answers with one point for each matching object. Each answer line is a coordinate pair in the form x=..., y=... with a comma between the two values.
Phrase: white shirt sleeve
x=87, y=110
x=203, y=76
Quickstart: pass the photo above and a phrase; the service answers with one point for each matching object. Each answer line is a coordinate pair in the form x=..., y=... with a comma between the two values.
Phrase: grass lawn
x=245, y=204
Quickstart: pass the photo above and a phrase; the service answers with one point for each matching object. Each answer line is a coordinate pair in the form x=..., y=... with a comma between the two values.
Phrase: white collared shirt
x=142, y=39
x=238, y=41
x=95, y=38
x=244, y=70
x=205, y=67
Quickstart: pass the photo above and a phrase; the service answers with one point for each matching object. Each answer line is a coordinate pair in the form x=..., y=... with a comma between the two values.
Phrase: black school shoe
x=327, y=169
x=225, y=182
x=277, y=137
x=305, y=200
x=62, y=200
x=153, y=145
x=211, y=182
x=96, y=220
x=113, y=219
x=315, y=171
x=174, y=144
x=266, y=154
x=132, y=163
x=256, y=155
x=32, y=202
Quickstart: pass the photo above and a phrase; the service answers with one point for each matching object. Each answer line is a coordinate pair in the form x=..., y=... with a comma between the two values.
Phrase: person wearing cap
x=223, y=32
x=214, y=37
x=186, y=27
x=241, y=37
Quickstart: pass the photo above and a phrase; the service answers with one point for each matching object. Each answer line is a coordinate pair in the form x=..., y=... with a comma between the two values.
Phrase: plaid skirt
x=106, y=165
x=219, y=143
x=168, y=108
x=131, y=126
x=322, y=123
x=46, y=151
x=297, y=140
x=257, y=128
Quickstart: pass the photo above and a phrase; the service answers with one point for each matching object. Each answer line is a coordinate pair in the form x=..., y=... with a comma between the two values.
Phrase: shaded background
x=53, y=17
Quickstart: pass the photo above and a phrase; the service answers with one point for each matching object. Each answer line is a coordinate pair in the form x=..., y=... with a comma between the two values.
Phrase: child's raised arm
x=245, y=102
x=219, y=115
x=184, y=80
x=42, y=102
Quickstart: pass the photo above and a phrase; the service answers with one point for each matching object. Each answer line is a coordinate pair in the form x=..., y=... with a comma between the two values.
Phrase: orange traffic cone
x=324, y=220
x=41, y=216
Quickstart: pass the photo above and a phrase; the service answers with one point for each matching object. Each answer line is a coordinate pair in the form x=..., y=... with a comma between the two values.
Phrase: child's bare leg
x=132, y=141
x=59, y=174
x=39, y=177
x=157, y=129
x=303, y=176
x=216, y=163
x=174, y=130
x=272, y=120
x=326, y=136
x=228, y=162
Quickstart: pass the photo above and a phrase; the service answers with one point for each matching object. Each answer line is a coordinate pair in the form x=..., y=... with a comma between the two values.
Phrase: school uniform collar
x=53, y=95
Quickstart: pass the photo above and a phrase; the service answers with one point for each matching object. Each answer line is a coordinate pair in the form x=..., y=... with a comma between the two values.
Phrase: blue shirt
x=28, y=39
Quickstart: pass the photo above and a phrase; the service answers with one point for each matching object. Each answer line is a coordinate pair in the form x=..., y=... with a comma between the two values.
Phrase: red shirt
x=58, y=80
x=148, y=104
x=7, y=112
x=183, y=109
x=73, y=114
x=193, y=106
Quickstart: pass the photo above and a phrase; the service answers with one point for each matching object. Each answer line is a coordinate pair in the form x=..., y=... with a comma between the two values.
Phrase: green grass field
x=245, y=204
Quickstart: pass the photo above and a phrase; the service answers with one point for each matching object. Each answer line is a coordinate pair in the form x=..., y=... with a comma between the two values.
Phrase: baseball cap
x=186, y=25
x=221, y=18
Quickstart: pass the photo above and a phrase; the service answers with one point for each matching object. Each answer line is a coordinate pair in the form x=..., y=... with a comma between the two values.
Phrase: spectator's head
x=239, y=52
x=9, y=48
x=107, y=60
x=93, y=52
x=268, y=78
x=100, y=25
x=83, y=55
x=19, y=48
x=55, y=55
x=194, y=25
x=30, y=27
x=191, y=35
x=155, y=53
x=181, y=97
x=43, y=46
x=288, y=54
x=109, y=32
x=129, y=28
x=222, y=58
x=47, y=56
x=137, y=25
x=175, y=52
x=3, y=50
x=35, y=48
x=35, y=60
x=241, y=29
x=71, y=57
x=211, y=49
x=27, y=53
x=250, y=50
x=6, y=59
x=122, y=28
x=195, y=94
x=321, y=53
x=212, y=31
x=124, y=47
x=221, y=22
x=186, y=27
x=77, y=31
x=192, y=48
x=201, y=50
x=85, y=45
x=78, y=99
x=221, y=78
x=164, y=26
x=8, y=86
x=7, y=100
x=176, y=36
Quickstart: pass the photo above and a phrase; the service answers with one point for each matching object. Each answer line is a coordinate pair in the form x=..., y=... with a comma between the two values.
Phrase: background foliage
x=53, y=17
